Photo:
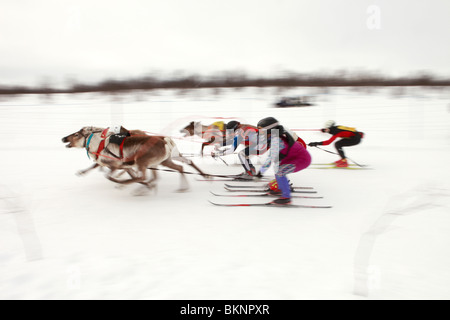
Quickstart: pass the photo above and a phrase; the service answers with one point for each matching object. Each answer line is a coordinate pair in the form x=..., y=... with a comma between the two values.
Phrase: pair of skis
x=215, y=178
x=260, y=191
x=351, y=166
x=267, y=204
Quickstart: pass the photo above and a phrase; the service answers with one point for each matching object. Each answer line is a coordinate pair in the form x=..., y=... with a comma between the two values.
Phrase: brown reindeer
x=137, y=153
x=213, y=133
x=96, y=129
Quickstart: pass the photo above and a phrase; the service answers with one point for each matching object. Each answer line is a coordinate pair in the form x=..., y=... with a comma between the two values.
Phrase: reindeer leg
x=203, y=147
x=132, y=173
x=124, y=171
x=184, y=185
x=134, y=179
x=151, y=184
x=207, y=143
x=110, y=175
x=83, y=172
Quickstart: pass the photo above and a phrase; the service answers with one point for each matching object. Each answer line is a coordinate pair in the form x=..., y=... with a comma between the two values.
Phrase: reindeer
x=96, y=129
x=135, y=154
x=213, y=134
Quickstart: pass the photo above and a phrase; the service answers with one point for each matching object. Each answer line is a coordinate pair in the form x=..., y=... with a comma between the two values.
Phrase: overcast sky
x=89, y=40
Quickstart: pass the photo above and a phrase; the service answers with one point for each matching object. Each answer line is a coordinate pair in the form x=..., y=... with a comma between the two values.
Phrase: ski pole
x=359, y=165
x=215, y=158
x=223, y=160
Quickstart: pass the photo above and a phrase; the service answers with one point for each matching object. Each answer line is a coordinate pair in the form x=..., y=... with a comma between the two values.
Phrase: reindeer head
x=189, y=130
x=78, y=139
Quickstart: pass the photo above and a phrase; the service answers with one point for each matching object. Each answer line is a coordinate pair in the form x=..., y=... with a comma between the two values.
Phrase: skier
x=288, y=154
x=350, y=137
x=238, y=133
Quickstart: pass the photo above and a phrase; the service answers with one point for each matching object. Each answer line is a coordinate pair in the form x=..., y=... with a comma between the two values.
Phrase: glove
x=314, y=144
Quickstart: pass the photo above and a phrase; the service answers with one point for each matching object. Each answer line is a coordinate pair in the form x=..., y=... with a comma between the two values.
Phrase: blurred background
x=76, y=45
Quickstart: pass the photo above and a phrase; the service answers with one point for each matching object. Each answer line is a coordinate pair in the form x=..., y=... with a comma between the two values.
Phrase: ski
x=339, y=168
x=260, y=186
x=268, y=204
x=260, y=195
x=263, y=190
x=229, y=179
x=332, y=164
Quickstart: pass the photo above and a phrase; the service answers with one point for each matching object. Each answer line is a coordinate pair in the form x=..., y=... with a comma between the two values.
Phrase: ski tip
x=232, y=205
x=213, y=203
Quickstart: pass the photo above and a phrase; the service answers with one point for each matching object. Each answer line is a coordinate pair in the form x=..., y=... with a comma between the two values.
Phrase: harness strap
x=101, y=146
x=104, y=133
x=121, y=148
x=88, y=143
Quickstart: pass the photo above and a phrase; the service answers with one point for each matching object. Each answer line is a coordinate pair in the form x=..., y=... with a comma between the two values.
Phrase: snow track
x=70, y=237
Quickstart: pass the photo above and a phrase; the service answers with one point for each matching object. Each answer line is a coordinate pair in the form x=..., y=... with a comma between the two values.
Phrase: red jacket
x=247, y=135
x=341, y=132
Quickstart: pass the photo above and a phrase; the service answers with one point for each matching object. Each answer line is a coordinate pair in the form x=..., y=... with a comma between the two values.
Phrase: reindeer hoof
x=141, y=192
x=151, y=185
x=181, y=190
x=145, y=190
x=80, y=173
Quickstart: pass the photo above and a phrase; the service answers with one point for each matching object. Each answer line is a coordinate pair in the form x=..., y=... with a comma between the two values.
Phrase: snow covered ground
x=68, y=237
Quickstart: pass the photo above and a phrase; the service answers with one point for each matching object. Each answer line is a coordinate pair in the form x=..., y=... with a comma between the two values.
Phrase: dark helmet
x=232, y=125
x=268, y=123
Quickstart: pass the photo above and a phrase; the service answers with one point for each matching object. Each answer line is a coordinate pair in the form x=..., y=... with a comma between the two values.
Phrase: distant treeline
x=235, y=80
